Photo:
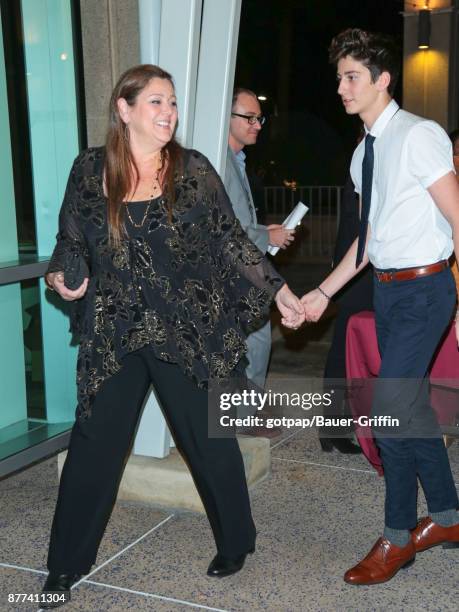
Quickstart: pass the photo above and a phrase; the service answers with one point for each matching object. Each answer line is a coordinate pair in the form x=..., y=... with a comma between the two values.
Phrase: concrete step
x=168, y=483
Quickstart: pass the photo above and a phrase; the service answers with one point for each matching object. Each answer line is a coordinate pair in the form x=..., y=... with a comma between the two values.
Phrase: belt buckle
x=385, y=277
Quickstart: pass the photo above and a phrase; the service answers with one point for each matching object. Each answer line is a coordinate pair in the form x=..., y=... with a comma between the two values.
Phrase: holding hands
x=314, y=303
x=295, y=312
x=290, y=308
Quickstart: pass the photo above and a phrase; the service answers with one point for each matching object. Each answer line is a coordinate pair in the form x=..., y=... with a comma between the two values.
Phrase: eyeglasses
x=252, y=119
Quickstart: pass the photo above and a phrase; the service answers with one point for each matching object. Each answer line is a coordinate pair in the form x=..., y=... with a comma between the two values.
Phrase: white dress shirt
x=411, y=153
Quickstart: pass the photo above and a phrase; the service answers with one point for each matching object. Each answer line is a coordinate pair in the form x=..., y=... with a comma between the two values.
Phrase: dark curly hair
x=378, y=52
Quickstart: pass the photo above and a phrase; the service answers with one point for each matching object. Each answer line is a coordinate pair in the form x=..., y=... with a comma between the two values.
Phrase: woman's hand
x=55, y=282
x=290, y=308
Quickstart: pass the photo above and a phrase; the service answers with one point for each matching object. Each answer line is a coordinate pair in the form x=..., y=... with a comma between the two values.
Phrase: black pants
x=97, y=453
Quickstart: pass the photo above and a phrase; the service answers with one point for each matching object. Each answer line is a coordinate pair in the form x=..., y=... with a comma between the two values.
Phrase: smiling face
x=153, y=116
x=360, y=95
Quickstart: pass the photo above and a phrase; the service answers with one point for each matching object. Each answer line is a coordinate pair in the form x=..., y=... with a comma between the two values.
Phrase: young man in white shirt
x=404, y=173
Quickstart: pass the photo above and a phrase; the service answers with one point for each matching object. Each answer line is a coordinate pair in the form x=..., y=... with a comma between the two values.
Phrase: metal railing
x=317, y=235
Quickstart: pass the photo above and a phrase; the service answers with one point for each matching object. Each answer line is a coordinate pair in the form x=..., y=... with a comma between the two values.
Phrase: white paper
x=291, y=222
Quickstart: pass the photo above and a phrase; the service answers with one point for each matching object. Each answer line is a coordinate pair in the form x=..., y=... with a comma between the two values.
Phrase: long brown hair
x=119, y=162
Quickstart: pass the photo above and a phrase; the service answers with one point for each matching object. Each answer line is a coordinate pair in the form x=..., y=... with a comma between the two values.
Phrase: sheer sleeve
x=70, y=236
x=251, y=279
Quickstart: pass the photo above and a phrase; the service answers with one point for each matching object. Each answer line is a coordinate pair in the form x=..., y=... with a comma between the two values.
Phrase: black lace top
x=192, y=289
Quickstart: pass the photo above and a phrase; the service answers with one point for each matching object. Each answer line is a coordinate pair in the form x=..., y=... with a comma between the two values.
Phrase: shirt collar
x=381, y=122
x=240, y=156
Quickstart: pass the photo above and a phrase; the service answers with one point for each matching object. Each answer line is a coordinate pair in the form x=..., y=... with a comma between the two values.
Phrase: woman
x=172, y=280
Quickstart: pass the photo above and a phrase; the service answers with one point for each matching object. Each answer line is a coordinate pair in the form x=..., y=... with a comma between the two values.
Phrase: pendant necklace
x=155, y=187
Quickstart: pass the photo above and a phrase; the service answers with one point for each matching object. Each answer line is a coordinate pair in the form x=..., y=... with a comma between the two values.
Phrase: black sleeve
x=251, y=279
x=70, y=236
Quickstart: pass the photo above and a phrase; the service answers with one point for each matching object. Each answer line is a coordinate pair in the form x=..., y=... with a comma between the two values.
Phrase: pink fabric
x=363, y=362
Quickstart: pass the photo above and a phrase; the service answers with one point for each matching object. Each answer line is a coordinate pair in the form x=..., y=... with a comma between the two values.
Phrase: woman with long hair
x=174, y=287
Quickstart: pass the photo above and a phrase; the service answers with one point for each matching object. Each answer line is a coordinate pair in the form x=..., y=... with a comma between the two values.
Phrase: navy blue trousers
x=411, y=318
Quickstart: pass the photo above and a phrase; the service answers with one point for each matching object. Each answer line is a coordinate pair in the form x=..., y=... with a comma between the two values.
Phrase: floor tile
x=38, y=476
x=91, y=597
x=19, y=581
x=313, y=524
x=26, y=518
x=85, y=596
x=305, y=446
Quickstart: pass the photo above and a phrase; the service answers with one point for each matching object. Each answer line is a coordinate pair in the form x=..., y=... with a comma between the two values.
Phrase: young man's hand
x=314, y=304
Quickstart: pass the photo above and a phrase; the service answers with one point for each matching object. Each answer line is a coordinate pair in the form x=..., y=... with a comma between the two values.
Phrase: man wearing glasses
x=245, y=124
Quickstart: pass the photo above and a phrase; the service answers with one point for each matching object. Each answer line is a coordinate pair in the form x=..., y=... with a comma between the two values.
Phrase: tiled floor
x=316, y=516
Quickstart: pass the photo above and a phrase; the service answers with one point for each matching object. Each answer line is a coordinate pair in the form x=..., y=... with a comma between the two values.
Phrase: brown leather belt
x=410, y=273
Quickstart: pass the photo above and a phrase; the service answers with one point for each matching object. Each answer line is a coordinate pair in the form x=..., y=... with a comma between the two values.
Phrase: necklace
x=156, y=186
x=144, y=216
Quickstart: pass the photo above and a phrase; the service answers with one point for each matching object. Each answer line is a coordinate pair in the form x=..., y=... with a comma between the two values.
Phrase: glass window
x=41, y=119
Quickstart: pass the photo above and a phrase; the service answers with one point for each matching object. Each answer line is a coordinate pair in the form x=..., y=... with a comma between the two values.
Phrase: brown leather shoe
x=427, y=534
x=381, y=564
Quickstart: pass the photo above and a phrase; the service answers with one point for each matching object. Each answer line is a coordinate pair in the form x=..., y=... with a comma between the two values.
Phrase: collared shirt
x=411, y=153
x=240, y=158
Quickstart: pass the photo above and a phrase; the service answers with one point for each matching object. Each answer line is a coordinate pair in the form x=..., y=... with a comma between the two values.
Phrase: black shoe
x=222, y=566
x=57, y=585
x=344, y=445
x=260, y=431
